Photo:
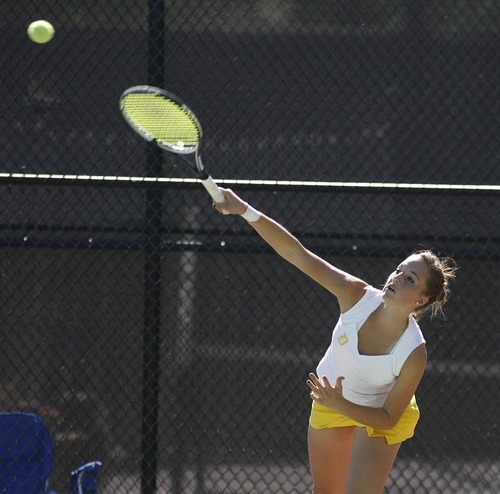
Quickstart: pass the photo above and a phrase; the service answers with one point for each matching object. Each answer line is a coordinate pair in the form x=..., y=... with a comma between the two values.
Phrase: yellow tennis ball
x=41, y=31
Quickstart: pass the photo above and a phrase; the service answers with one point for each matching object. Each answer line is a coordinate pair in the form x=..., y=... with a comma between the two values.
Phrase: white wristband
x=250, y=214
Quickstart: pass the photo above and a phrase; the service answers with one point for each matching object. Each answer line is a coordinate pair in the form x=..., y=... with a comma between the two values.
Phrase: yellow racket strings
x=163, y=120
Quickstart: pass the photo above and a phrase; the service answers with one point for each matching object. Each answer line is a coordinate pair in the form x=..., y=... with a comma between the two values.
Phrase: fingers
x=316, y=385
x=232, y=204
x=323, y=392
x=313, y=380
x=318, y=389
x=221, y=207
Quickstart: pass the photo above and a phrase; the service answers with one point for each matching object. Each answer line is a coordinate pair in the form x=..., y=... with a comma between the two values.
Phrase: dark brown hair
x=441, y=271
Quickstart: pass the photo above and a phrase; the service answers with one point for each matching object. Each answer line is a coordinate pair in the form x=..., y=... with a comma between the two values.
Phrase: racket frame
x=186, y=152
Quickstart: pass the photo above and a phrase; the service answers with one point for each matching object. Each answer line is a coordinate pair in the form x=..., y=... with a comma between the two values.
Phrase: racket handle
x=213, y=189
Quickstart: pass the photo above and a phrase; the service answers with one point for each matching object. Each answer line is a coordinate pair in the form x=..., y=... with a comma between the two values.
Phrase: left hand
x=324, y=393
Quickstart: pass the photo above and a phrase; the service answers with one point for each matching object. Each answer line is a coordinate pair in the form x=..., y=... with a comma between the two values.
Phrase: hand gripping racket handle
x=213, y=189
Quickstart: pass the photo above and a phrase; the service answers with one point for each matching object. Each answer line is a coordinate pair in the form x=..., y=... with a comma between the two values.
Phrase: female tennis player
x=363, y=403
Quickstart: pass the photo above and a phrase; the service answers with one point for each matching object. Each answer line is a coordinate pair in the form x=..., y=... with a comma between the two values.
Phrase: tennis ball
x=40, y=31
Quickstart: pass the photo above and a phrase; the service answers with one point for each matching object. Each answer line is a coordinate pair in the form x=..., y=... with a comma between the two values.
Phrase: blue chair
x=83, y=480
x=26, y=458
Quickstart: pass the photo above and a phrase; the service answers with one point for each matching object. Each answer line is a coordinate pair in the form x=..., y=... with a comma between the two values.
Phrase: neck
x=392, y=317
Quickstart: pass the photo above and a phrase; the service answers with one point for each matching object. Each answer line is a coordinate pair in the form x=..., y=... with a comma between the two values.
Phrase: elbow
x=391, y=424
x=387, y=422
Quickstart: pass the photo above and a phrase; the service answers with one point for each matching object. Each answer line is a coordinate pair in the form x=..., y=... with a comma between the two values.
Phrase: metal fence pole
x=152, y=269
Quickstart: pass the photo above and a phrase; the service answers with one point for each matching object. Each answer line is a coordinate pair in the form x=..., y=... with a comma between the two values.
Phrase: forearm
x=278, y=237
x=373, y=417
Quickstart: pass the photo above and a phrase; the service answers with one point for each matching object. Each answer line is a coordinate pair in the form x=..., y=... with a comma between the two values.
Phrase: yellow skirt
x=322, y=418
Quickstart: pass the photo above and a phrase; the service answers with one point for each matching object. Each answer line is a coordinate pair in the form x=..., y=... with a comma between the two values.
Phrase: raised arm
x=347, y=288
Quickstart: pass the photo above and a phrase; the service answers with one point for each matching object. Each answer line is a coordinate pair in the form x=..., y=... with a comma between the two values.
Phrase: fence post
x=152, y=269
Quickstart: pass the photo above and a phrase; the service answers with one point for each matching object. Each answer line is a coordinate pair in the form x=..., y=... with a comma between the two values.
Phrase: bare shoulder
x=416, y=361
x=352, y=292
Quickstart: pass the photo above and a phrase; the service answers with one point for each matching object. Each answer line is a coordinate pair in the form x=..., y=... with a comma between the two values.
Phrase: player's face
x=407, y=284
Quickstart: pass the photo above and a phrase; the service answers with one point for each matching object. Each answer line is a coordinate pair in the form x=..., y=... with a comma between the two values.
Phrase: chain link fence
x=166, y=340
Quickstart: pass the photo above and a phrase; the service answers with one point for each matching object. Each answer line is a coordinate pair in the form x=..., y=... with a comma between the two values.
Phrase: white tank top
x=368, y=379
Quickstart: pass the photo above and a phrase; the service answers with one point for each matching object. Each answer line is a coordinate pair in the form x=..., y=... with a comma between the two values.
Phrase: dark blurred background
x=166, y=340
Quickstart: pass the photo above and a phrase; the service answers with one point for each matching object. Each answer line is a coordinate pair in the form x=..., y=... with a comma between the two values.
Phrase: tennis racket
x=160, y=116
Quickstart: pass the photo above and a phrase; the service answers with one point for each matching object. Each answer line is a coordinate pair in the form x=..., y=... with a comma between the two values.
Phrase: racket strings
x=163, y=120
